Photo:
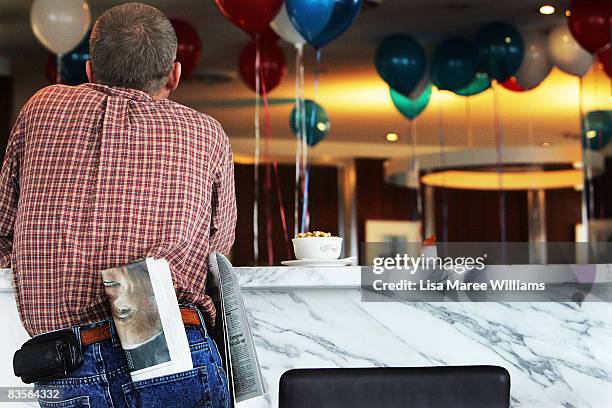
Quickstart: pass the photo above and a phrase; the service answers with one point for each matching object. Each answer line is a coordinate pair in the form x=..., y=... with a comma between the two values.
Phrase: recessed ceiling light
x=547, y=9
x=545, y=144
x=568, y=13
x=392, y=137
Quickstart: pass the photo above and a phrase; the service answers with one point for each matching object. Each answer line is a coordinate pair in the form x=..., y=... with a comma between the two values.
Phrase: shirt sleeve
x=9, y=194
x=223, y=224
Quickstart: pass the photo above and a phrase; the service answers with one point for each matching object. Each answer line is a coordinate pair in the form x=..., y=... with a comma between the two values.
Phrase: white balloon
x=420, y=86
x=535, y=66
x=566, y=53
x=60, y=24
x=283, y=26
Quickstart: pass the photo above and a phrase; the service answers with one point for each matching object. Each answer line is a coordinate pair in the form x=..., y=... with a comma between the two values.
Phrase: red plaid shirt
x=97, y=177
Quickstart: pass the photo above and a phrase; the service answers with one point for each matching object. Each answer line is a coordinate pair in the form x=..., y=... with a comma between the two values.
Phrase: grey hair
x=133, y=45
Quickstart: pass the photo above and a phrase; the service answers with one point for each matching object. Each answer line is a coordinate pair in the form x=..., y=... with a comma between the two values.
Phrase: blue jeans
x=104, y=380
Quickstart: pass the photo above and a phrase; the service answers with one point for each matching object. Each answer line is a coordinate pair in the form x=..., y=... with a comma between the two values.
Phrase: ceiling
x=355, y=98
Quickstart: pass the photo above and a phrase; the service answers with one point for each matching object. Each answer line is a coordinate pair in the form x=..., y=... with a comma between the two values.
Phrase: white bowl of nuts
x=317, y=245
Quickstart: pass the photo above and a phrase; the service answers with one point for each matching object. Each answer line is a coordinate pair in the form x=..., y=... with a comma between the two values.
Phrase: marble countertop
x=284, y=277
x=315, y=317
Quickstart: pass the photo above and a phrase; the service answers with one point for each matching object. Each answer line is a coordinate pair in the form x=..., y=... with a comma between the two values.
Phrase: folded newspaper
x=240, y=358
x=149, y=324
x=148, y=319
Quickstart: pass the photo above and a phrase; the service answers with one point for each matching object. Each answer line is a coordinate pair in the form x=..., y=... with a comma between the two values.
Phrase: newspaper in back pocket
x=147, y=318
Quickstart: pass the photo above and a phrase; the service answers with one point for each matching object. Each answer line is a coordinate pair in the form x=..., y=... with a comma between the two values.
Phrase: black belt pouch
x=48, y=356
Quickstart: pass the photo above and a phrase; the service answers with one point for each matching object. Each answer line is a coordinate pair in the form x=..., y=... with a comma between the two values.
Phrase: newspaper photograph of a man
x=136, y=316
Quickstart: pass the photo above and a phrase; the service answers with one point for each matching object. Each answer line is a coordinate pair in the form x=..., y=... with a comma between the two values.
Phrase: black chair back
x=418, y=387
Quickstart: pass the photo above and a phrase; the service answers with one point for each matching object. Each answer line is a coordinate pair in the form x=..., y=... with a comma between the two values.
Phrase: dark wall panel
x=323, y=210
x=562, y=214
x=378, y=200
x=472, y=215
x=602, y=192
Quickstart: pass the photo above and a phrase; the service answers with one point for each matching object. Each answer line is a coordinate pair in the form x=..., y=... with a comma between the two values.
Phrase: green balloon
x=411, y=108
x=480, y=83
x=316, y=121
x=597, y=129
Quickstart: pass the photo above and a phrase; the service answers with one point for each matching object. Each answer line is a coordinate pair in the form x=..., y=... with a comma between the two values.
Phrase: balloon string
x=468, y=120
x=415, y=168
x=530, y=139
x=305, y=201
x=268, y=177
x=442, y=142
x=587, y=189
x=268, y=182
x=299, y=50
x=268, y=199
x=58, y=69
x=257, y=153
x=499, y=141
x=304, y=164
x=305, y=214
x=312, y=120
x=282, y=210
x=317, y=75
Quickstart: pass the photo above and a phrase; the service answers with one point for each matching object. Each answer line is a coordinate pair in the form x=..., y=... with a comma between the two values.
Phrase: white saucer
x=318, y=262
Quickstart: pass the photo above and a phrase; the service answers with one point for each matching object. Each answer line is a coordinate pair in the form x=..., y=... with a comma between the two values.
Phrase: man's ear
x=174, y=78
x=89, y=71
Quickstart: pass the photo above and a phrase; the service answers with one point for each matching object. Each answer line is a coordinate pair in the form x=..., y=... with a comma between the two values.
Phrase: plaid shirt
x=96, y=177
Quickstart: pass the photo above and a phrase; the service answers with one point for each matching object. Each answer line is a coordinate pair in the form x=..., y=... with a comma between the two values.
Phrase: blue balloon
x=322, y=21
x=317, y=122
x=453, y=65
x=73, y=64
x=400, y=61
x=500, y=50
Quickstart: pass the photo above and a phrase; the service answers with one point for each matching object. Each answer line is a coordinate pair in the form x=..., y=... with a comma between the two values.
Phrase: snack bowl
x=317, y=247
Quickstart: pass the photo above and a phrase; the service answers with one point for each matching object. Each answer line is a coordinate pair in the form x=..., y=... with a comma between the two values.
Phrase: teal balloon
x=597, y=129
x=453, y=65
x=411, y=108
x=317, y=122
x=481, y=83
x=401, y=62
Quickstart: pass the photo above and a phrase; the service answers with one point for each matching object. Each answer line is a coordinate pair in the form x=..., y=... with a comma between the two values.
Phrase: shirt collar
x=133, y=94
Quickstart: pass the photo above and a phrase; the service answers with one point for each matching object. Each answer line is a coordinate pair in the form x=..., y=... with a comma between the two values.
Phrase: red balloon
x=590, y=22
x=272, y=65
x=189, y=50
x=603, y=55
x=512, y=84
x=253, y=16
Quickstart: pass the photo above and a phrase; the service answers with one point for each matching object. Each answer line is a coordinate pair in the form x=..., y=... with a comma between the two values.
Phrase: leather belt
x=90, y=336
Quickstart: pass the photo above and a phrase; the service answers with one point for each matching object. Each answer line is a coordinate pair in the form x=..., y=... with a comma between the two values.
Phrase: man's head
x=134, y=46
